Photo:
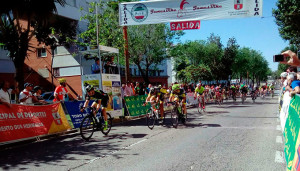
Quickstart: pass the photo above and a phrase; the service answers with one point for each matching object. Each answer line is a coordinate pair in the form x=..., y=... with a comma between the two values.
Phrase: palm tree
x=20, y=21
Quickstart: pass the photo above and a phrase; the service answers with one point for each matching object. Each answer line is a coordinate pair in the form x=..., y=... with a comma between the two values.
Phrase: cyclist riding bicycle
x=155, y=96
x=244, y=89
x=178, y=95
x=100, y=98
x=200, y=92
x=161, y=97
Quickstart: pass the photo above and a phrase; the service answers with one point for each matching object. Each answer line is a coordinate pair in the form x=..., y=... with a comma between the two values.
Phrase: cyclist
x=233, y=91
x=272, y=87
x=161, y=97
x=100, y=97
x=200, y=91
x=244, y=90
x=178, y=95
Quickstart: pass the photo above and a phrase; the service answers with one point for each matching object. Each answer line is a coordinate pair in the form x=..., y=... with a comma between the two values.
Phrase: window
x=41, y=52
x=56, y=72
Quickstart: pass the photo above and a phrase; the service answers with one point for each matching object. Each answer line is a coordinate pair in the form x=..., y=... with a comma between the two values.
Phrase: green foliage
x=110, y=33
x=208, y=60
x=148, y=46
x=20, y=21
x=287, y=17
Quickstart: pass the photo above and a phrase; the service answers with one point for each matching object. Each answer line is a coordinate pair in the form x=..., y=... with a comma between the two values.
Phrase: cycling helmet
x=175, y=87
x=62, y=80
x=199, y=84
x=88, y=88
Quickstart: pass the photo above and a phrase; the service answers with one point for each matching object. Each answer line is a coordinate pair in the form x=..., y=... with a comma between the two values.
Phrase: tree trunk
x=19, y=65
x=144, y=75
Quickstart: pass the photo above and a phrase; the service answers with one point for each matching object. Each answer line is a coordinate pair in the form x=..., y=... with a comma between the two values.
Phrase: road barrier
x=290, y=122
x=22, y=122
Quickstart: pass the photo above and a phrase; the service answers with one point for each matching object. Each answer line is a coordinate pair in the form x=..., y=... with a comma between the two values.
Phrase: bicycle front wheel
x=88, y=127
x=174, y=117
x=150, y=118
x=109, y=125
x=199, y=107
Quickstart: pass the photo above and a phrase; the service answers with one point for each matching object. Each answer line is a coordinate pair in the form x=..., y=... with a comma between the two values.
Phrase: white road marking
x=279, y=139
x=279, y=157
x=110, y=153
x=278, y=128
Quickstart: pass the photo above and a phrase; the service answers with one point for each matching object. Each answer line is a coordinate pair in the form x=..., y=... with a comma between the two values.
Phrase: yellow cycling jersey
x=199, y=91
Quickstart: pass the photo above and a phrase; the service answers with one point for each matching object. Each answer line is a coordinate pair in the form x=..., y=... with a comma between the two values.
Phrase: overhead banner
x=185, y=25
x=154, y=12
x=20, y=121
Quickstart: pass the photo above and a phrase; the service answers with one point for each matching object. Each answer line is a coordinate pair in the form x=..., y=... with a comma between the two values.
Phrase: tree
x=288, y=19
x=21, y=20
x=149, y=46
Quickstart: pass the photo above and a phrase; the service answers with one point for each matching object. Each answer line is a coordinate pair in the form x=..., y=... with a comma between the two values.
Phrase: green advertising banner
x=291, y=132
x=135, y=105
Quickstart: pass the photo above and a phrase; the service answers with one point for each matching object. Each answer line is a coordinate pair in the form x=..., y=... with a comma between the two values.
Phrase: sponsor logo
x=182, y=11
x=238, y=4
x=139, y=12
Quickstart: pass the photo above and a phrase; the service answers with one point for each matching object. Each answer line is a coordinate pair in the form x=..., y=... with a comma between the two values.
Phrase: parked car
x=49, y=96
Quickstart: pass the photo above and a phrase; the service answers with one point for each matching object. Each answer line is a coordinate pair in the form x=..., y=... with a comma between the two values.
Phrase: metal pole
x=99, y=52
x=52, y=51
x=127, y=75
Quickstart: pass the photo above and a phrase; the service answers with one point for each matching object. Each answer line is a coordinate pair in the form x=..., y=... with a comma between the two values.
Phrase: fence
x=290, y=123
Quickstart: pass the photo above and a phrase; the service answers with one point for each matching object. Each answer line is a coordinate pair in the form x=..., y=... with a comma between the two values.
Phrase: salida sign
x=185, y=25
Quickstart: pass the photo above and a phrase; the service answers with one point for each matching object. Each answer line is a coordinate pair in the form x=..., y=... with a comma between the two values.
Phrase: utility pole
x=126, y=52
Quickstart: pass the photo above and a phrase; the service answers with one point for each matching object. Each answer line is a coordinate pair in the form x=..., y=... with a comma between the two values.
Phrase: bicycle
x=253, y=96
x=152, y=116
x=90, y=124
x=177, y=114
x=243, y=97
x=199, y=106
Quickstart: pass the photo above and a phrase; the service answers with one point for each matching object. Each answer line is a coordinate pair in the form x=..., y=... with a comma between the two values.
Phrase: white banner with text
x=165, y=11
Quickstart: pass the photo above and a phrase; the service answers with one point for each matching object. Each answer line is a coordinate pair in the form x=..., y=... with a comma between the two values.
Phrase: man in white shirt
x=26, y=96
x=5, y=93
x=128, y=90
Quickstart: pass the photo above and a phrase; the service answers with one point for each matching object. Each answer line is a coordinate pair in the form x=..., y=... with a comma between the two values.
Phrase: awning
x=64, y=61
x=7, y=66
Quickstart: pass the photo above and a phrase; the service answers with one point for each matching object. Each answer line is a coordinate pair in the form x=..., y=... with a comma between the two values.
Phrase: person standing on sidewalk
x=61, y=90
x=26, y=96
x=5, y=94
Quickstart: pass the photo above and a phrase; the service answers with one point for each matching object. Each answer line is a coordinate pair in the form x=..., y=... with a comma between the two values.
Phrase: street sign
x=165, y=11
x=185, y=25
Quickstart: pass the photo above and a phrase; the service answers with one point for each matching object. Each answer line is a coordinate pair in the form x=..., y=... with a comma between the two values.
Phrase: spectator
x=283, y=78
x=133, y=88
x=192, y=87
x=38, y=95
x=123, y=90
x=61, y=90
x=26, y=96
x=128, y=90
x=96, y=66
x=142, y=90
x=293, y=61
x=5, y=94
x=148, y=88
x=137, y=88
x=295, y=86
x=290, y=79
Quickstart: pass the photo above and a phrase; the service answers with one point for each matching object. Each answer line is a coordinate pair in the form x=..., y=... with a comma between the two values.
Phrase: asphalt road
x=232, y=136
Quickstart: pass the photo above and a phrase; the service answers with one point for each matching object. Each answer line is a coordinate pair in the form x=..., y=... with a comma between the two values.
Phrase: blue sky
x=257, y=33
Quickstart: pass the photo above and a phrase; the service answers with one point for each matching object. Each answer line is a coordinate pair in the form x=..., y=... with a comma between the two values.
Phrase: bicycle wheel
x=150, y=119
x=87, y=127
x=174, y=117
x=243, y=99
x=199, y=107
x=109, y=125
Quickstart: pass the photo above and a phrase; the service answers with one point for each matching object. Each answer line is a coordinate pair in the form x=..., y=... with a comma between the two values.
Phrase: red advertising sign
x=185, y=25
x=20, y=121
